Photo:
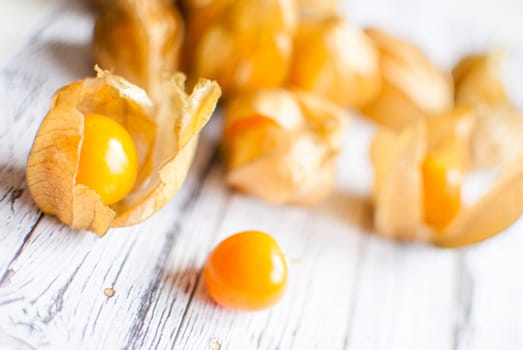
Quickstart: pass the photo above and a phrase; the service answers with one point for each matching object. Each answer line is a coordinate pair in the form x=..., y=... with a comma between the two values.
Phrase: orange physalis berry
x=246, y=271
x=442, y=190
x=108, y=159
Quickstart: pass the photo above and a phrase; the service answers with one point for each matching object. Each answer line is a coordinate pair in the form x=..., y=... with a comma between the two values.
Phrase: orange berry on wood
x=246, y=271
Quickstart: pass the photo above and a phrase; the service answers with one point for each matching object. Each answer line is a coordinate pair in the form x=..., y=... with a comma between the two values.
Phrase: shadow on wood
x=348, y=207
x=190, y=283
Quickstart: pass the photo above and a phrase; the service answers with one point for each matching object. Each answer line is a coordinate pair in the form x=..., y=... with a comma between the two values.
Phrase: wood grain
x=348, y=288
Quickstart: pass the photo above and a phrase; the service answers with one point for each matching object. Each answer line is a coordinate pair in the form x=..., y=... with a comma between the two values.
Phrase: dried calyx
x=336, y=60
x=244, y=45
x=282, y=146
x=413, y=87
x=164, y=135
x=139, y=40
x=477, y=80
x=423, y=164
x=321, y=7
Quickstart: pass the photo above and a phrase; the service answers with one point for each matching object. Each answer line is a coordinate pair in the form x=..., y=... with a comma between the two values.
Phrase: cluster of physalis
x=289, y=67
x=114, y=149
x=421, y=166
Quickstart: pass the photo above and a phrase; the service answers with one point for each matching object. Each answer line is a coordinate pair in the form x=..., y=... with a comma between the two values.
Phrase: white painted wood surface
x=349, y=289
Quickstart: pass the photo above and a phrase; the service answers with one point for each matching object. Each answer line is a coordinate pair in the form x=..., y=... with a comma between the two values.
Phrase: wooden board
x=349, y=289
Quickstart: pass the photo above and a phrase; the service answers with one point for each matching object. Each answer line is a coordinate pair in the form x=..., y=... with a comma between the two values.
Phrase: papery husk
x=297, y=164
x=199, y=16
x=458, y=125
x=165, y=137
x=257, y=142
x=318, y=7
x=398, y=208
x=336, y=60
x=139, y=40
x=413, y=87
x=248, y=47
x=492, y=214
x=497, y=136
x=100, y=4
x=477, y=80
x=398, y=189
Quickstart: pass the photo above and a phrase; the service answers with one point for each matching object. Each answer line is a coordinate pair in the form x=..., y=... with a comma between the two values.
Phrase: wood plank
x=53, y=295
x=405, y=298
x=18, y=25
x=468, y=297
x=25, y=92
x=322, y=254
x=347, y=289
x=490, y=302
x=67, y=305
x=403, y=294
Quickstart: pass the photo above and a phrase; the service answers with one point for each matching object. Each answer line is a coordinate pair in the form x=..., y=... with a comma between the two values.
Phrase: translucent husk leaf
x=296, y=165
x=496, y=136
x=100, y=4
x=165, y=137
x=139, y=40
x=413, y=88
x=457, y=125
x=398, y=209
x=288, y=177
x=199, y=15
x=52, y=167
x=477, y=80
x=492, y=214
x=186, y=115
x=315, y=7
x=277, y=104
x=398, y=192
x=249, y=46
x=336, y=60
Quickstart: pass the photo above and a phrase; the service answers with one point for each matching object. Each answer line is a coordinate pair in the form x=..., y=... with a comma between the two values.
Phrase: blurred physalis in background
x=139, y=40
x=336, y=60
x=413, y=87
x=246, y=46
x=282, y=146
x=290, y=71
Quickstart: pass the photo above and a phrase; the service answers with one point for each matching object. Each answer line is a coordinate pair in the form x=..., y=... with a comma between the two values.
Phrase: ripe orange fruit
x=108, y=159
x=246, y=271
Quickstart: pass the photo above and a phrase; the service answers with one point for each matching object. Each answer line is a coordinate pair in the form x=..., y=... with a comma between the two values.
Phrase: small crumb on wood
x=109, y=292
x=215, y=345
